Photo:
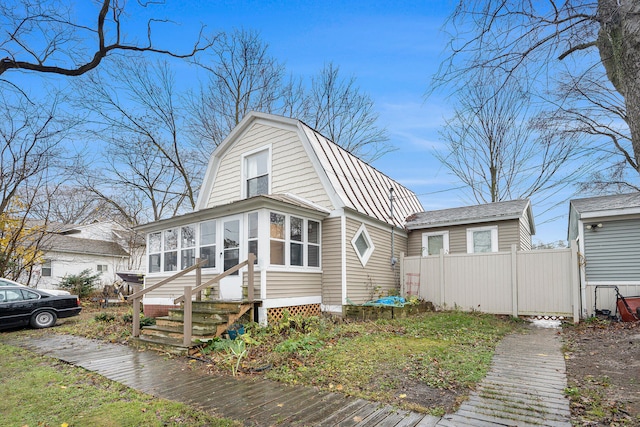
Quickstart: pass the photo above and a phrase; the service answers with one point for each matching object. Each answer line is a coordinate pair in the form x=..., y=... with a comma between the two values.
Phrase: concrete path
x=523, y=388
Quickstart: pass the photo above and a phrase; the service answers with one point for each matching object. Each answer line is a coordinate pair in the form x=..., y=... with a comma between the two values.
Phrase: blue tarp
x=387, y=301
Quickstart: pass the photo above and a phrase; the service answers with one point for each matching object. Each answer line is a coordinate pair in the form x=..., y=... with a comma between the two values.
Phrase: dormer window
x=256, y=171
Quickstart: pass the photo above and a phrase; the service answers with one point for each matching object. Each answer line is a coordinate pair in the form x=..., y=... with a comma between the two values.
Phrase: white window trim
x=494, y=237
x=363, y=258
x=287, y=244
x=425, y=241
x=243, y=168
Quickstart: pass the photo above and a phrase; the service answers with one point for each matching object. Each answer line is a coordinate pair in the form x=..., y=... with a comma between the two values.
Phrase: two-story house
x=318, y=219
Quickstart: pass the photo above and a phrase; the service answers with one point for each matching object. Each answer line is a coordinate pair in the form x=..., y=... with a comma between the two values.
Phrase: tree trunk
x=619, y=46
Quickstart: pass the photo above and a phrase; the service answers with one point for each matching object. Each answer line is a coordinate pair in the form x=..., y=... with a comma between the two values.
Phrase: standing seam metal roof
x=361, y=186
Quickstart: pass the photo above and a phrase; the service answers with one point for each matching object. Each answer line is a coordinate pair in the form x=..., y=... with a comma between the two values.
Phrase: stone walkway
x=523, y=388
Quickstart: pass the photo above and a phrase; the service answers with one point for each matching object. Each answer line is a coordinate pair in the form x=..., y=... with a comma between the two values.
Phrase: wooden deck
x=253, y=402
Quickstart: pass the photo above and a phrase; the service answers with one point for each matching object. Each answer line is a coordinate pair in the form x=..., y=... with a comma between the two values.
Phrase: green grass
x=446, y=350
x=40, y=391
x=433, y=353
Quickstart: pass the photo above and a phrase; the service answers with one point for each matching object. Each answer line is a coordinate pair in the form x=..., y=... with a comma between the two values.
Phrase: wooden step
x=177, y=314
x=177, y=332
x=164, y=345
x=210, y=319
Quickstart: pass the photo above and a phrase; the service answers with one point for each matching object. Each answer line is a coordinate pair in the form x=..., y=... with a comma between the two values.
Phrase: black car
x=21, y=306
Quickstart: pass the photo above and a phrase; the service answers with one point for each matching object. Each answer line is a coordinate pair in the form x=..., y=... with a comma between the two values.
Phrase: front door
x=231, y=286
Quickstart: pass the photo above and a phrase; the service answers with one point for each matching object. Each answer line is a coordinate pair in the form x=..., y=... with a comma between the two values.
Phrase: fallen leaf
x=357, y=419
x=339, y=387
x=403, y=396
x=280, y=405
x=63, y=387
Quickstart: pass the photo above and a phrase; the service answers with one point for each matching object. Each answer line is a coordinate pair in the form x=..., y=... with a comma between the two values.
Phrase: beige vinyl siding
x=291, y=169
x=331, y=261
x=282, y=284
x=509, y=233
x=377, y=277
x=256, y=284
x=175, y=288
x=525, y=232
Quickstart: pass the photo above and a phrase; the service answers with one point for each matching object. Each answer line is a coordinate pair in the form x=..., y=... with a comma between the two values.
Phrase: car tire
x=43, y=319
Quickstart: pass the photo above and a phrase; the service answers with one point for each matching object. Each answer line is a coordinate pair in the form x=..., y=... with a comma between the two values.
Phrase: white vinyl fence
x=541, y=282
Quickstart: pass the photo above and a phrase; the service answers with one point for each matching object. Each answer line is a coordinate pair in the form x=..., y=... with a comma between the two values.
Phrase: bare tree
x=148, y=152
x=69, y=204
x=242, y=77
x=30, y=143
x=536, y=38
x=341, y=111
x=497, y=149
x=45, y=36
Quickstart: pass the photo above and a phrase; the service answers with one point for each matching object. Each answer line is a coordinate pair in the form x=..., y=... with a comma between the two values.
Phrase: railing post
x=198, y=279
x=250, y=260
x=136, y=317
x=186, y=332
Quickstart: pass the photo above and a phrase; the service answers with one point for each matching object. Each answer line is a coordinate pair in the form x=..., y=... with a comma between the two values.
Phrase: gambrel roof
x=349, y=182
x=497, y=211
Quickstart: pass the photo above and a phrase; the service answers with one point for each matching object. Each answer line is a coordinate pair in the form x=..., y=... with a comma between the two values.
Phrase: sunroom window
x=277, y=241
x=313, y=245
x=188, y=246
x=363, y=245
x=252, y=236
x=294, y=241
x=171, y=250
x=296, y=248
x=155, y=252
x=208, y=243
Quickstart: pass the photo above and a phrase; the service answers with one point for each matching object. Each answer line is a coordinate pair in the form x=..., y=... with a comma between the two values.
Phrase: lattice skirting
x=276, y=314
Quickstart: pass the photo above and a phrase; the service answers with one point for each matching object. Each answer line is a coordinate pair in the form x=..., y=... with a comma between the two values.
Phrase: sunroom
x=284, y=232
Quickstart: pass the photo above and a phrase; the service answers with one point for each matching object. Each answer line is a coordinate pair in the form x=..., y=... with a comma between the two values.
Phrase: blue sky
x=393, y=48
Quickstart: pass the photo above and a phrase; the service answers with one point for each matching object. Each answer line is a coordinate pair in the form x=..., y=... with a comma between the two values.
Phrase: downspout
x=393, y=259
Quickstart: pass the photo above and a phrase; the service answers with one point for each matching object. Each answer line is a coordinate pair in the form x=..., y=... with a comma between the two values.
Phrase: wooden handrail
x=218, y=278
x=141, y=292
x=136, y=297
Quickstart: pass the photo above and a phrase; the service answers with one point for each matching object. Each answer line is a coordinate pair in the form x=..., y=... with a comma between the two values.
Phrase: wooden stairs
x=210, y=319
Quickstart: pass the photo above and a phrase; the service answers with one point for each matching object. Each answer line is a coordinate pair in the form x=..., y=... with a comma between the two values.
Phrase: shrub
x=104, y=317
x=81, y=284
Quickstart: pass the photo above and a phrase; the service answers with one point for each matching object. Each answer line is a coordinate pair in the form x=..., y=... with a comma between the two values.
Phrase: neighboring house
x=317, y=217
x=101, y=247
x=607, y=231
x=490, y=227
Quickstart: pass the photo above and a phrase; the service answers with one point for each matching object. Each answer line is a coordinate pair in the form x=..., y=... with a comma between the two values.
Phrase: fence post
x=186, y=331
x=514, y=281
x=442, y=278
x=403, y=289
x=576, y=291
